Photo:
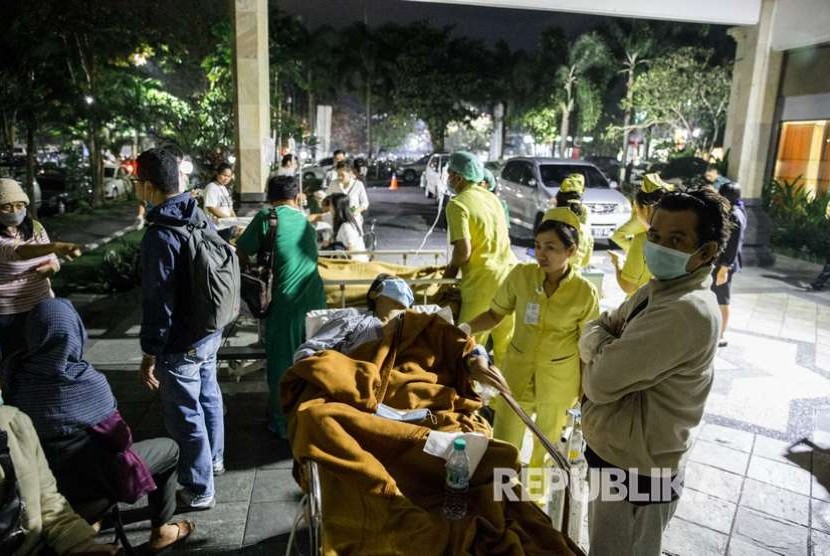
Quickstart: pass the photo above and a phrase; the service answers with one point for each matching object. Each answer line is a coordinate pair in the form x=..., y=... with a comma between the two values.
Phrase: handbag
x=12, y=533
x=256, y=279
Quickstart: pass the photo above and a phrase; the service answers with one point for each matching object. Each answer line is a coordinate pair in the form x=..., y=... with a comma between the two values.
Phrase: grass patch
x=110, y=268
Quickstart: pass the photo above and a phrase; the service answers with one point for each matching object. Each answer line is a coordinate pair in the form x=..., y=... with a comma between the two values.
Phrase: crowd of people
x=540, y=320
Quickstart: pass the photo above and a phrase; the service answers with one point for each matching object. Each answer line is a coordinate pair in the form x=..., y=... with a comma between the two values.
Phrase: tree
x=587, y=53
x=437, y=77
x=632, y=42
x=686, y=90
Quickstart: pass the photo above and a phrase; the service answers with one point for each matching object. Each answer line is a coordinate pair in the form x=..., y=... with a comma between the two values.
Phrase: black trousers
x=87, y=476
x=823, y=277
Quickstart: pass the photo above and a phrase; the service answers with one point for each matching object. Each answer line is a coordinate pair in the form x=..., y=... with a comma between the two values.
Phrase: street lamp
x=88, y=99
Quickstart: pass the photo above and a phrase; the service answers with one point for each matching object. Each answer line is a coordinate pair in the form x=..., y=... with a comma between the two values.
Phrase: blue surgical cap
x=467, y=166
x=398, y=290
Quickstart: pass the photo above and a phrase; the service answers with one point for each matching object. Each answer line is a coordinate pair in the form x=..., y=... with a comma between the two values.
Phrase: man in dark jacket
x=178, y=361
x=729, y=261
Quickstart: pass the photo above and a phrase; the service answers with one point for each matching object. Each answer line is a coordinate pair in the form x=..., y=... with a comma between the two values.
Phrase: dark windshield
x=553, y=174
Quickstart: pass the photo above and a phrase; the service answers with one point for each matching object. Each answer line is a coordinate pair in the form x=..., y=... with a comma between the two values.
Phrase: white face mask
x=15, y=218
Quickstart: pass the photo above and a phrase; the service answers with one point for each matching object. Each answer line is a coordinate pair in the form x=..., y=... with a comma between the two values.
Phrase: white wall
x=727, y=12
x=801, y=23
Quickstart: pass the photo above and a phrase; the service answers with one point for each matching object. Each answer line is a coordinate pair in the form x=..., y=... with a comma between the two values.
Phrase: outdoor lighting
x=88, y=99
x=186, y=167
x=527, y=139
x=696, y=133
x=138, y=59
x=231, y=159
x=587, y=139
x=570, y=138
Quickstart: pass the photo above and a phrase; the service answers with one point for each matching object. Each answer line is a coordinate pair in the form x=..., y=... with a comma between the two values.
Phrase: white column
x=251, y=100
x=750, y=121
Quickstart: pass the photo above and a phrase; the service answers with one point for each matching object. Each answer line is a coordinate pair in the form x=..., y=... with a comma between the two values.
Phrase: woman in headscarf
x=87, y=444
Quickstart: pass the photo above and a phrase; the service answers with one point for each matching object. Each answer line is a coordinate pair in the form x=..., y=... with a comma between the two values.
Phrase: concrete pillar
x=254, y=151
x=750, y=121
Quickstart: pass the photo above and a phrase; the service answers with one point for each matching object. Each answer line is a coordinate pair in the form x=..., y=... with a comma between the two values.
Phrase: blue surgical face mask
x=665, y=263
x=13, y=218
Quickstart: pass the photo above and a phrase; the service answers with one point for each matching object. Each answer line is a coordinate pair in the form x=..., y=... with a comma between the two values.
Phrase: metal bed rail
x=437, y=254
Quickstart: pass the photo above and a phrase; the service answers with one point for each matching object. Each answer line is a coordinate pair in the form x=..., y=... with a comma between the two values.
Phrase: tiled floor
x=758, y=475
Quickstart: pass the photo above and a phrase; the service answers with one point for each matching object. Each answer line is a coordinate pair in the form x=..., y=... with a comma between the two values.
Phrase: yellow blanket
x=382, y=494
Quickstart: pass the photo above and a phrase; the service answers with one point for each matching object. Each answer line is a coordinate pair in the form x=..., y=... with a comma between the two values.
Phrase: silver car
x=529, y=186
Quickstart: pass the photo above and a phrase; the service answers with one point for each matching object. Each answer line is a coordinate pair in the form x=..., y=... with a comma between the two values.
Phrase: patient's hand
x=486, y=374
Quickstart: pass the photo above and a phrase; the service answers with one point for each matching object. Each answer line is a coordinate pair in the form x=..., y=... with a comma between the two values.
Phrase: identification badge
x=532, y=313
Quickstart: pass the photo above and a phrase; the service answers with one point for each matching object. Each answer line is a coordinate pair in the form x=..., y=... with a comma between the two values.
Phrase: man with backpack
x=181, y=324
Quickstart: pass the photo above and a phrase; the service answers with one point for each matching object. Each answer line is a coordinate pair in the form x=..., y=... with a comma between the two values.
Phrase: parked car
x=529, y=186
x=411, y=172
x=609, y=165
x=686, y=169
x=317, y=173
x=117, y=181
x=435, y=176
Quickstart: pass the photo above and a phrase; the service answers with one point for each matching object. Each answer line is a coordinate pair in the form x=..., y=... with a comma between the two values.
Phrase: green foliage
x=110, y=268
x=799, y=216
x=683, y=89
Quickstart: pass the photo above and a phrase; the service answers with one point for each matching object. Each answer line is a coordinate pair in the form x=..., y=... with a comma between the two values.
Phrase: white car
x=434, y=178
x=316, y=174
x=529, y=186
x=117, y=181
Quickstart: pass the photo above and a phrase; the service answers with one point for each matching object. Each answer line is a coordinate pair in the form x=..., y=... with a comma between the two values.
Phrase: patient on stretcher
x=387, y=296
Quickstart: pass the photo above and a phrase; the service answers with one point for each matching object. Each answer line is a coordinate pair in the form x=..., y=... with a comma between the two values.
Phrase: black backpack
x=12, y=533
x=214, y=276
x=257, y=279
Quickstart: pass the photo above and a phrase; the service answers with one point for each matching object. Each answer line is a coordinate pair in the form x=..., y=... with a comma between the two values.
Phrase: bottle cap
x=459, y=444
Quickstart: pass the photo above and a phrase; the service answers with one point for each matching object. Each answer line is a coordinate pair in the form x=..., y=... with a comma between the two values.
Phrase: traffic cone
x=393, y=183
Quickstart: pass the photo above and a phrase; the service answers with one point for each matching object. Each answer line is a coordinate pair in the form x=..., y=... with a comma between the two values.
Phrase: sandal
x=185, y=529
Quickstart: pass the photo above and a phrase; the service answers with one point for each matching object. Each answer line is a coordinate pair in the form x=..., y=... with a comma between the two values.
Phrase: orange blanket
x=382, y=494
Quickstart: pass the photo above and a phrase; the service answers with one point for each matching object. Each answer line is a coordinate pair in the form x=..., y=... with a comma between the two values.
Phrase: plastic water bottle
x=457, y=481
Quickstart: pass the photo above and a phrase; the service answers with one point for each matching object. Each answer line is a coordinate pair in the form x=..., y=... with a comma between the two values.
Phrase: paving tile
x=706, y=510
x=741, y=547
x=783, y=475
x=267, y=520
x=235, y=486
x=770, y=533
x=725, y=436
x=715, y=482
x=777, y=450
x=682, y=537
x=777, y=502
x=275, y=485
x=719, y=456
x=821, y=476
x=820, y=514
x=821, y=543
x=224, y=525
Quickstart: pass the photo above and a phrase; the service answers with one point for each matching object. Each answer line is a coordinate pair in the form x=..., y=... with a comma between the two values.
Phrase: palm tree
x=632, y=43
x=587, y=53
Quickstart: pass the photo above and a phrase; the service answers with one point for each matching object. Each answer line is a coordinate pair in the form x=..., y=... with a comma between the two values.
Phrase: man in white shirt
x=219, y=202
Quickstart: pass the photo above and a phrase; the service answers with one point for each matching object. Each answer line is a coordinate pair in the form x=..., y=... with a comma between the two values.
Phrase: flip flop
x=184, y=524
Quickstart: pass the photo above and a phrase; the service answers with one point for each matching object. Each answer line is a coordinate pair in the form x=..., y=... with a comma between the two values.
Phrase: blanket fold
x=382, y=494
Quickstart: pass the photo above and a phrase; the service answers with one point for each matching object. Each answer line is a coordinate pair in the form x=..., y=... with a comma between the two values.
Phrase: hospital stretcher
x=567, y=509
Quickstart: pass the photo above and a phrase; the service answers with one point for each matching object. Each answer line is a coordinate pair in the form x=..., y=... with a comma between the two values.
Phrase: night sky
x=519, y=28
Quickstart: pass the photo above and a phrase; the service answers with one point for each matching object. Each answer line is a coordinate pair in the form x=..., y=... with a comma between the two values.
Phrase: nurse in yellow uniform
x=552, y=302
x=570, y=194
x=633, y=273
x=480, y=245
